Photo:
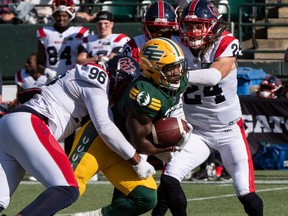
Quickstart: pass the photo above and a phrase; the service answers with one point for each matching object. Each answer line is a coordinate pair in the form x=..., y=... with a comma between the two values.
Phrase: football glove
x=103, y=64
x=165, y=156
x=144, y=169
x=50, y=74
x=185, y=137
x=104, y=59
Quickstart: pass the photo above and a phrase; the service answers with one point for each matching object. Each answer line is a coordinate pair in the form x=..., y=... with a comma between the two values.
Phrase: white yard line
x=189, y=182
x=232, y=195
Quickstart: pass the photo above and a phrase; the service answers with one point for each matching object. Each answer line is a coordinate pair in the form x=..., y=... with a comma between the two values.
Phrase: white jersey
x=215, y=114
x=61, y=48
x=213, y=107
x=81, y=92
x=26, y=81
x=113, y=43
x=65, y=98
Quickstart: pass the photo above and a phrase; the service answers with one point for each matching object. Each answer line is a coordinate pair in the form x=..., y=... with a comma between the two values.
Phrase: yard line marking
x=229, y=182
x=232, y=195
x=271, y=189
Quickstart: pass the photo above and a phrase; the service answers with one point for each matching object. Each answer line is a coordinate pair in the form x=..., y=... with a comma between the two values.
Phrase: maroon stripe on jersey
x=161, y=9
x=90, y=63
x=41, y=32
x=223, y=45
x=164, y=168
x=192, y=7
x=250, y=162
x=135, y=49
x=132, y=43
x=117, y=39
x=55, y=150
x=85, y=40
x=96, y=65
x=19, y=77
x=81, y=32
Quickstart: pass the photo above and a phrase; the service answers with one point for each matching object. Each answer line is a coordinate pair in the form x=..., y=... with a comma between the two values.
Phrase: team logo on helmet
x=159, y=55
x=153, y=53
x=159, y=19
x=206, y=16
x=127, y=65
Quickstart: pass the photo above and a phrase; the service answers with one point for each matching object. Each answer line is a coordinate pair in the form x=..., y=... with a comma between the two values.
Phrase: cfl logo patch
x=153, y=53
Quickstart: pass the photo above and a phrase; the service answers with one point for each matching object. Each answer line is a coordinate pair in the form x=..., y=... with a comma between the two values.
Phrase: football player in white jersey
x=212, y=106
x=105, y=45
x=159, y=20
x=30, y=136
x=28, y=78
x=58, y=44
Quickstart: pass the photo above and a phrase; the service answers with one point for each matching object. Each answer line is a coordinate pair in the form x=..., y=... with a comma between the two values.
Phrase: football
x=167, y=131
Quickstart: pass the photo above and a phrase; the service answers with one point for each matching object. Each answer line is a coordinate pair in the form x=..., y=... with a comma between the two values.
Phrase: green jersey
x=148, y=98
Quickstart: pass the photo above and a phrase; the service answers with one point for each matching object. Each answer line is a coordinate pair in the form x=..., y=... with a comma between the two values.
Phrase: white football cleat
x=32, y=178
x=90, y=213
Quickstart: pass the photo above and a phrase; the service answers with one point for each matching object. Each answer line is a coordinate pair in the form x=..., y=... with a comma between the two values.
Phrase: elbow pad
x=210, y=76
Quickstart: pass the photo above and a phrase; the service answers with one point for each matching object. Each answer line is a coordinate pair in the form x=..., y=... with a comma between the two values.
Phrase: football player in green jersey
x=154, y=94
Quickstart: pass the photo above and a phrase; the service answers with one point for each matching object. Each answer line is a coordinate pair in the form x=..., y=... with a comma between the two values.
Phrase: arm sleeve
x=210, y=76
x=102, y=117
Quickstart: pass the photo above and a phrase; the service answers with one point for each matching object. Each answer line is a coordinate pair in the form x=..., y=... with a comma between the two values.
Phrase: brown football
x=167, y=131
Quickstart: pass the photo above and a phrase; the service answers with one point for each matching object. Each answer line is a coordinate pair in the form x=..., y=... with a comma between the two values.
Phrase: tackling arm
x=213, y=75
x=102, y=119
x=83, y=58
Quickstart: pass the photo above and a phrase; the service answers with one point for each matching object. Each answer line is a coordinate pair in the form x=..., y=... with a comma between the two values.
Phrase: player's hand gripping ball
x=167, y=131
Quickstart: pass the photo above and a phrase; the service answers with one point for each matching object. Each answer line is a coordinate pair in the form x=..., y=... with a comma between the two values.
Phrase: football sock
x=162, y=206
x=52, y=200
x=253, y=204
x=174, y=195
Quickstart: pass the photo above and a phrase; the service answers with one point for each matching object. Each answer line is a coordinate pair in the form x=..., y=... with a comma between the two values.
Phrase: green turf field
x=204, y=198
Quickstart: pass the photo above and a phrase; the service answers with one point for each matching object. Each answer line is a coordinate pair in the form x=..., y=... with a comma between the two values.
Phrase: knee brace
x=253, y=204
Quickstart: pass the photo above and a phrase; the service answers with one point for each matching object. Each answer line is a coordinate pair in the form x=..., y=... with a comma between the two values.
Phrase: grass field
x=204, y=198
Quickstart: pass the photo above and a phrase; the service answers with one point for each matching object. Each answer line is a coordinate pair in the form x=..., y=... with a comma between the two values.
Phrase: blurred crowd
x=40, y=11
